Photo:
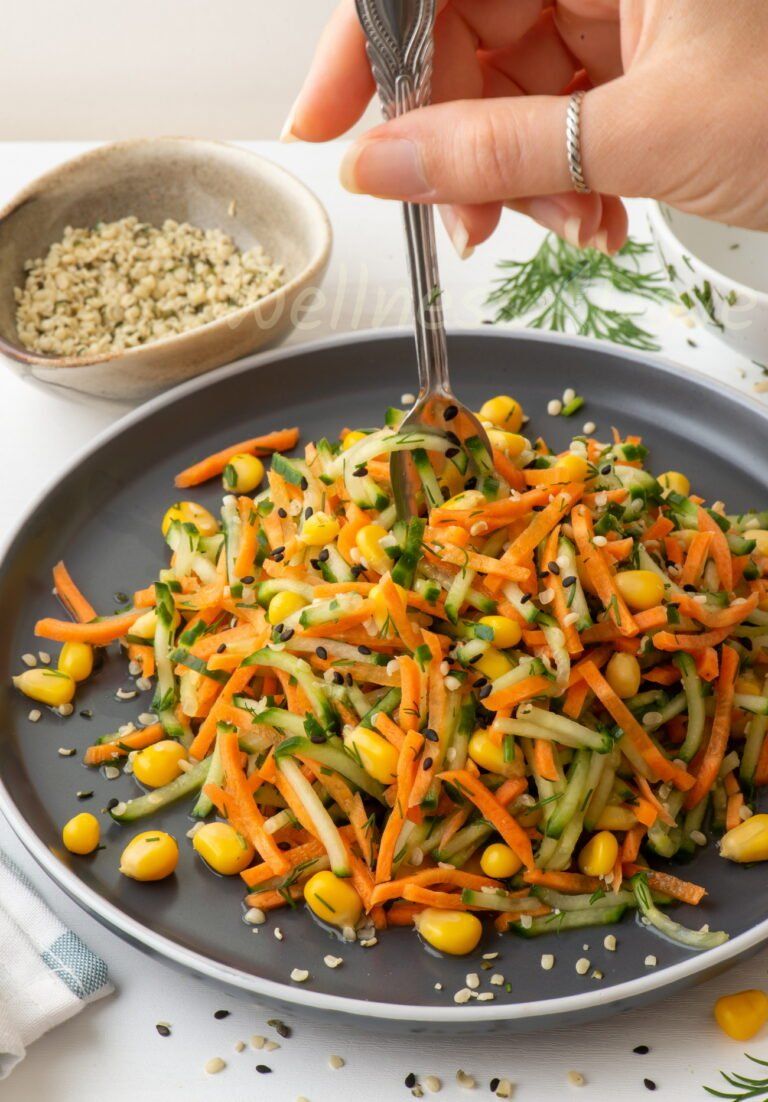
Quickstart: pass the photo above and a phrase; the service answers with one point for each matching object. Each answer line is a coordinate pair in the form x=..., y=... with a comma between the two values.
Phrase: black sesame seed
x=410, y=1080
x=221, y=648
x=430, y=734
x=284, y=845
x=649, y=1084
x=321, y=653
x=286, y=634
x=163, y=1029
x=427, y=764
x=641, y=1050
x=317, y=737
x=689, y=588
x=121, y=598
x=278, y=556
x=357, y=570
x=282, y=513
x=84, y=795
x=525, y=599
x=606, y=469
x=304, y=484
x=280, y=1027
x=349, y=679
x=86, y=713
x=450, y=412
x=471, y=483
x=494, y=1084
x=453, y=437
x=360, y=472
x=338, y=678
x=324, y=555
x=315, y=564
x=486, y=691
x=445, y=491
x=308, y=512
x=450, y=452
x=112, y=802
x=570, y=580
x=262, y=1069
x=364, y=650
x=484, y=717
x=538, y=508
x=219, y=1014
x=553, y=568
x=279, y=550
x=481, y=681
x=248, y=579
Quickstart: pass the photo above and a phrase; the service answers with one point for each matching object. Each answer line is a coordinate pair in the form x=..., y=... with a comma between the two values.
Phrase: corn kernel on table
x=113, y=1048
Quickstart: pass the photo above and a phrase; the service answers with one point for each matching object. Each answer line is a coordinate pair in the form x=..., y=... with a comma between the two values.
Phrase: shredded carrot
x=213, y=465
x=491, y=809
x=99, y=632
x=78, y=606
x=706, y=774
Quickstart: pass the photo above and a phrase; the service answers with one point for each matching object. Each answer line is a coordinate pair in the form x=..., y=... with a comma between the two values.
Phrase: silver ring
x=573, y=143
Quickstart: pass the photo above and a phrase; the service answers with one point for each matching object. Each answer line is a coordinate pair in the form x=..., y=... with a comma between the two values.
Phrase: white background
x=112, y=1050
x=128, y=68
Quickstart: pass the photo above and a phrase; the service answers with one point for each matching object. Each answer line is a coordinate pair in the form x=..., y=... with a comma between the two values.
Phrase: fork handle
x=400, y=47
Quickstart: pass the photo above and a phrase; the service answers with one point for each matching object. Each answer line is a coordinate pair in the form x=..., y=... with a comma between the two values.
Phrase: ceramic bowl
x=720, y=272
x=154, y=179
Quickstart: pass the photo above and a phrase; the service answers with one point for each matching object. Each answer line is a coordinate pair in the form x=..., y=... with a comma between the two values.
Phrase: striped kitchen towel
x=47, y=974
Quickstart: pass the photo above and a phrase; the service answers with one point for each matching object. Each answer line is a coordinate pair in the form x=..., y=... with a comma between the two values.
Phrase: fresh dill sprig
x=745, y=1088
x=556, y=282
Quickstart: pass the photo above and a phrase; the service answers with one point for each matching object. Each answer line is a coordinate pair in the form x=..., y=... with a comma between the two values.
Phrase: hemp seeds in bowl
x=144, y=263
x=127, y=283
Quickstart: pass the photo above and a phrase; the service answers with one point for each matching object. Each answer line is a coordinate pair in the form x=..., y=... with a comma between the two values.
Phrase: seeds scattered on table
x=220, y=1014
x=127, y=283
x=299, y=975
x=582, y=966
x=641, y=1050
x=576, y=1079
x=163, y=1029
x=215, y=1065
x=649, y=1084
x=263, y=1069
x=336, y=1062
x=67, y=751
x=257, y=1041
x=332, y=962
x=465, y=1080
x=432, y=1083
x=35, y=715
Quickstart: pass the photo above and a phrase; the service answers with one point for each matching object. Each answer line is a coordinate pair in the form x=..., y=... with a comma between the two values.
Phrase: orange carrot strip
x=410, y=687
x=450, y=901
x=696, y=559
x=666, y=884
x=620, y=549
x=659, y=765
x=213, y=465
x=136, y=740
x=560, y=600
x=570, y=883
x=257, y=874
x=522, y=690
x=251, y=819
x=528, y=540
x=721, y=552
x=98, y=632
x=668, y=641
x=660, y=528
x=600, y=572
x=487, y=804
x=403, y=914
x=630, y=847
x=706, y=774
x=249, y=527
x=650, y=797
x=544, y=759
x=406, y=767
x=203, y=740
x=78, y=606
x=662, y=675
x=575, y=698
x=719, y=618
x=707, y=663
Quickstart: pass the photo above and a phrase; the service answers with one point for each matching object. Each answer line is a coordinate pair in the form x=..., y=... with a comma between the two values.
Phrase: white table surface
x=112, y=1049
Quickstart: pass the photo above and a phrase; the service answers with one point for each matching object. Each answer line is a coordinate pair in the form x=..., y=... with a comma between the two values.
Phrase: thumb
x=482, y=151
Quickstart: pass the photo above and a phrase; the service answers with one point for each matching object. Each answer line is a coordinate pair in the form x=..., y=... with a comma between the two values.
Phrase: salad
x=509, y=708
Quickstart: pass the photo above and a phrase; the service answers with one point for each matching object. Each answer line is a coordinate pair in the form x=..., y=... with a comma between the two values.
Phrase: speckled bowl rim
x=659, y=225
x=456, y=1016
x=232, y=320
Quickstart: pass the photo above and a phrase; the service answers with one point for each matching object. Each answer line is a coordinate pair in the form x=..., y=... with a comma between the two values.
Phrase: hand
x=674, y=111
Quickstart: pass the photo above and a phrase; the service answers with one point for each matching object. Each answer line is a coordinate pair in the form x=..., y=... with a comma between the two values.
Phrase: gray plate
x=103, y=518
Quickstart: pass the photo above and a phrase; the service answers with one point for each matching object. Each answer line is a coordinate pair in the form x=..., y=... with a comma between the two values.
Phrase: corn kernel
x=159, y=764
x=742, y=1015
x=454, y=932
x=500, y=861
x=623, y=674
x=380, y=609
x=572, y=468
x=378, y=757
x=641, y=589
x=504, y=412
x=493, y=664
x=676, y=482
x=452, y=478
x=368, y=541
x=598, y=856
x=748, y=684
x=50, y=687
x=506, y=631
x=511, y=443
x=467, y=499
x=145, y=626
x=760, y=536
x=319, y=529
x=284, y=604
x=484, y=751
x=747, y=842
x=82, y=833
x=332, y=899
x=222, y=848
x=151, y=855
x=189, y=512
x=242, y=474
x=614, y=817
x=351, y=439
x=76, y=660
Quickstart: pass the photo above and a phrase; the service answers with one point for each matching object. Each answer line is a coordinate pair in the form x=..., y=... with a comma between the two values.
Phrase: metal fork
x=400, y=46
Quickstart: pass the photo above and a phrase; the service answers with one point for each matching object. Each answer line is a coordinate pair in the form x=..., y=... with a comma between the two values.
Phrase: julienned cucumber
x=302, y=671
x=570, y=920
x=333, y=755
x=183, y=785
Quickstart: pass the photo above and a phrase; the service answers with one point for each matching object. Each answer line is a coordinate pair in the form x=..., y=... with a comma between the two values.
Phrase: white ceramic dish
x=211, y=185
x=721, y=272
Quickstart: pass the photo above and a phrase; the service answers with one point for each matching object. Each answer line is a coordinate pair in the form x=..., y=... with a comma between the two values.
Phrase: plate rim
x=168, y=950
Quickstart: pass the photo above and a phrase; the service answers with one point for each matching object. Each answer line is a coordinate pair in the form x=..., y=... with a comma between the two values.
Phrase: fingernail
x=389, y=168
x=457, y=231
x=572, y=231
x=600, y=242
x=287, y=134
